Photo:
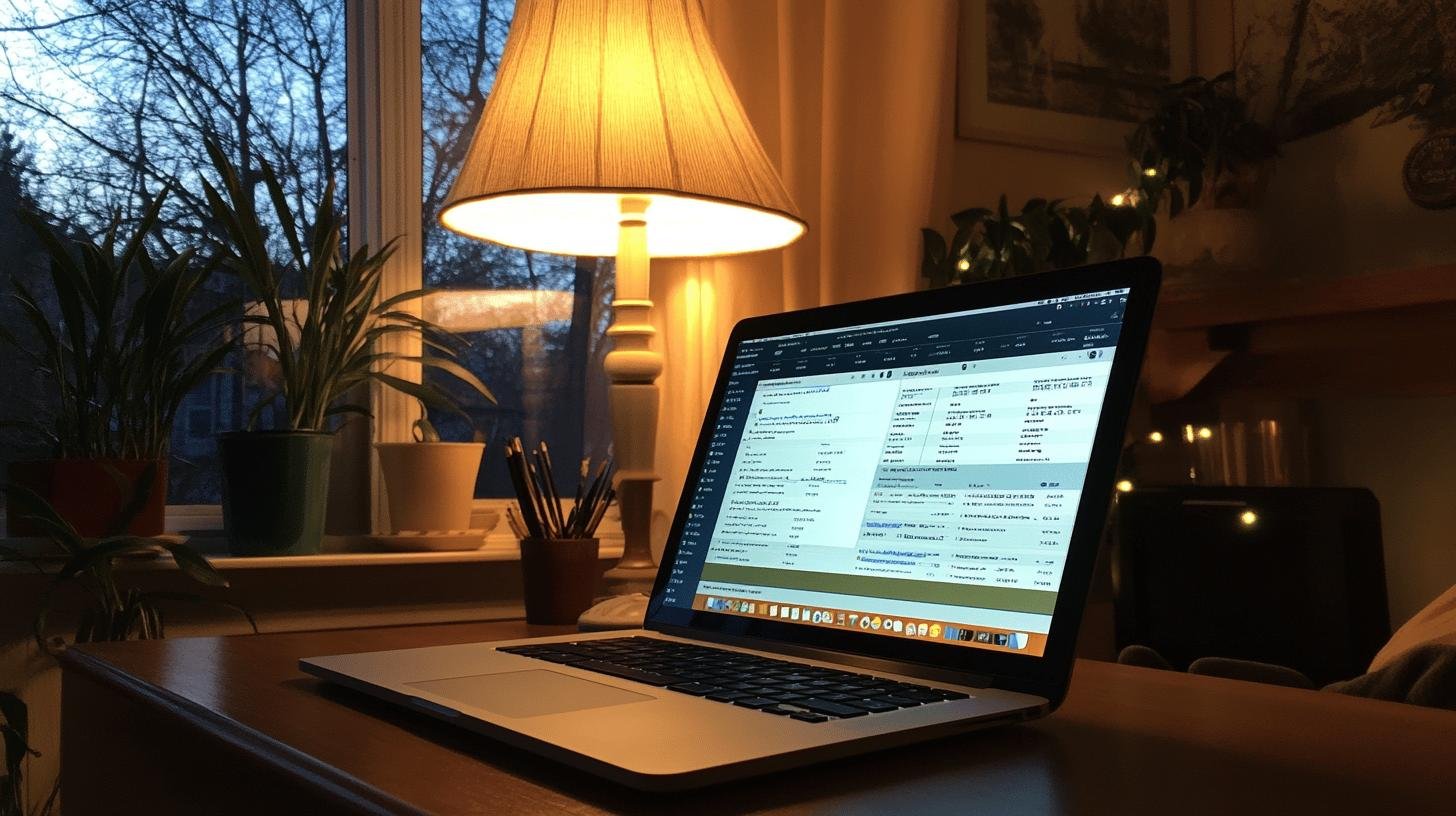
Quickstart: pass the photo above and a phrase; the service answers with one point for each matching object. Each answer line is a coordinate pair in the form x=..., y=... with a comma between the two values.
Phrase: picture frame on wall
x=1072, y=76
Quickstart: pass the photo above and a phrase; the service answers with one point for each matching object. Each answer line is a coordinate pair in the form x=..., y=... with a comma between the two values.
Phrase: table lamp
x=612, y=129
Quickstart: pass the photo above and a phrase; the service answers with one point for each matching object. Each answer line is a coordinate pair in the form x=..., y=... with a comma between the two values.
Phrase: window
x=536, y=323
x=103, y=104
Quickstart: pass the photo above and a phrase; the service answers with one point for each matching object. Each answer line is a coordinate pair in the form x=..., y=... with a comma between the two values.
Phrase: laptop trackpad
x=529, y=693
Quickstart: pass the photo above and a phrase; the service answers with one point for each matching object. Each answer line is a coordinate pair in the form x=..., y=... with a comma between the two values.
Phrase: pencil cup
x=560, y=577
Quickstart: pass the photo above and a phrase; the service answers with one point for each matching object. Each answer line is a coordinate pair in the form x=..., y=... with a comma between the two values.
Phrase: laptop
x=886, y=535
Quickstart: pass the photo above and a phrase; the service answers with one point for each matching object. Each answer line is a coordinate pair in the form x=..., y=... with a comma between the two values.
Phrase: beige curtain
x=852, y=99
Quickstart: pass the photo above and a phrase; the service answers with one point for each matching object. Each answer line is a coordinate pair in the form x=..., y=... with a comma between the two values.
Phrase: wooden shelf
x=1261, y=302
x=1384, y=332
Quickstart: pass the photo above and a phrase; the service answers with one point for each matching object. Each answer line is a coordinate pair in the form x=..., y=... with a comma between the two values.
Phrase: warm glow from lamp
x=677, y=226
x=1155, y=437
x=601, y=99
x=1151, y=172
x=1124, y=486
x=1205, y=433
x=1248, y=518
x=1118, y=199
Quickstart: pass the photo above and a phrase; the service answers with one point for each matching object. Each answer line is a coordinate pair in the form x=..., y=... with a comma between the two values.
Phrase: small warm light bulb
x=963, y=264
x=1118, y=200
x=1205, y=433
x=1188, y=434
x=1124, y=486
x=1151, y=172
x=1249, y=518
x=1156, y=437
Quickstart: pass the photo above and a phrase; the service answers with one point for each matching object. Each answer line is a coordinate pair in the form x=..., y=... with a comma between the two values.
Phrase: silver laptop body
x=910, y=489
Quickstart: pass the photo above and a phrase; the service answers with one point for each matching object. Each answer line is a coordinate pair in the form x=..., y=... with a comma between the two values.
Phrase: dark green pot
x=275, y=490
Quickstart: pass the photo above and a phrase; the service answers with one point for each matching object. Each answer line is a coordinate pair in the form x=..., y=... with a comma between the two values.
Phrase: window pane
x=104, y=104
x=536, y=323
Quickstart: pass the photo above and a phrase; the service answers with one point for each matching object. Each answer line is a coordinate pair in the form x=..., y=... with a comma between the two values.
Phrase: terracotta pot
x=560, y=578
x=93, y=494
x=430, y=485
x=275, y=490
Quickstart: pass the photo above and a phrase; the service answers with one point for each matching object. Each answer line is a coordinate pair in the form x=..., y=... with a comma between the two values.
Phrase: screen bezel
x=1044, y=675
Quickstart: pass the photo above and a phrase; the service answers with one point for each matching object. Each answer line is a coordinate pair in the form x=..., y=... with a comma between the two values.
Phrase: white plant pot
x=430, y=485
x=1230, y=238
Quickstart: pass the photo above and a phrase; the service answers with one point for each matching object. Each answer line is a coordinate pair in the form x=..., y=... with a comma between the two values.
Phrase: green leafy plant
x=1042, y=235
x=15, y=737
x=112, y=611
x=335, y=345
x=1198, y=143
x=125, y=347
x=1198, y=138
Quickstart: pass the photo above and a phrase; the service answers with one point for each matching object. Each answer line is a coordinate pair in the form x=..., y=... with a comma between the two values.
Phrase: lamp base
x=625, y=578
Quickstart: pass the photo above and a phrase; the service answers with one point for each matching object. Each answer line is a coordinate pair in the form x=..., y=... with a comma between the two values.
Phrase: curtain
x=853, y=100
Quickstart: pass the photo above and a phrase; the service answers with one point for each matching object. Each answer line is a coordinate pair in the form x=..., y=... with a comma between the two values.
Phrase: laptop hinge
x=910, y=669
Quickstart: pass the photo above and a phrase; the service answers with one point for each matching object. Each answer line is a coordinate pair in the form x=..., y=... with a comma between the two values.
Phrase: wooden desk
x=229, y=725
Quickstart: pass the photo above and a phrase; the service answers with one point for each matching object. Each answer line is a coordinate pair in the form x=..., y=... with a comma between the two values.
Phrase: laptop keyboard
x=806, y=693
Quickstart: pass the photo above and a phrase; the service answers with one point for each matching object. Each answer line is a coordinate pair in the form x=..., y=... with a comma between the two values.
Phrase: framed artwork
x=1071, y=75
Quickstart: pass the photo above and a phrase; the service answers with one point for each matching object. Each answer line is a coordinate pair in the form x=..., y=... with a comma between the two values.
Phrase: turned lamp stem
x=632, y=366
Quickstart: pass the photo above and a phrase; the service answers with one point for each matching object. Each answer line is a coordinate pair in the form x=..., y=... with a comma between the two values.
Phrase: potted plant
x=431, y=488
x=111, y=609
x=1200, y=148
x=119, y=339
x=1043, y=235
x=318, y=346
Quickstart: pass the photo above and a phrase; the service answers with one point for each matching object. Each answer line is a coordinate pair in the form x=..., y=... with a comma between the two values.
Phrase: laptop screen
x=914, y=479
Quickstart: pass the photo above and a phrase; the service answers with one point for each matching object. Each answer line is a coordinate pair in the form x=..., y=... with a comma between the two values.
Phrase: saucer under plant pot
x=306, y=354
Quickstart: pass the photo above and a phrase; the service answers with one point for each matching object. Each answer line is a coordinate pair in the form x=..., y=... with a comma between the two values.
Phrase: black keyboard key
x=874, y=706
x=755, y=702
x=929, y=695
x=725, y=696
x=901, y=702
x=695, y=689
x=809, y=717
x=833, y=709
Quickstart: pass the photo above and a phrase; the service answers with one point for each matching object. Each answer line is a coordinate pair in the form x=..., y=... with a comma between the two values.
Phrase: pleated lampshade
x=600, y=99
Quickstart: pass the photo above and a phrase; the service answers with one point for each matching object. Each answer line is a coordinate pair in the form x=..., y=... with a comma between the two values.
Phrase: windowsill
x=202, y=524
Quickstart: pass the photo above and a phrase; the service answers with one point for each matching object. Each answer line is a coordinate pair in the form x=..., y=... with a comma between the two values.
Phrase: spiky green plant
x=336, y=346
x=125, y=346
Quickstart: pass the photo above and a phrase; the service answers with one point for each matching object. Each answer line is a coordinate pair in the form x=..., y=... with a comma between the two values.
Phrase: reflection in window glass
x=535, y=322
x=103, y=104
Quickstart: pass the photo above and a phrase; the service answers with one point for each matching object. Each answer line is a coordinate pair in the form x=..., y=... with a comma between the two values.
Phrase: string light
x=1156, y=437
x=963, y=264
x=1150, y=172
x=1205, y=433
x=1124, y=486
x=1248, y=518
x=1118, y=200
